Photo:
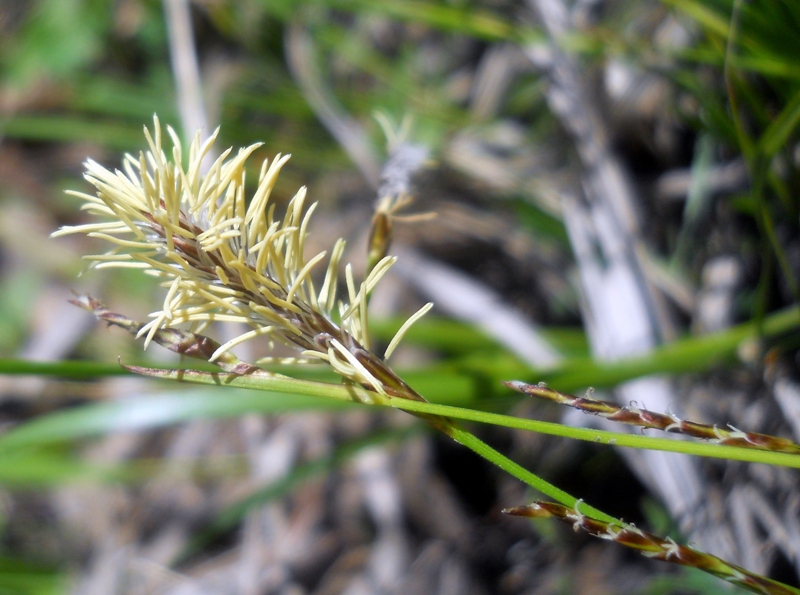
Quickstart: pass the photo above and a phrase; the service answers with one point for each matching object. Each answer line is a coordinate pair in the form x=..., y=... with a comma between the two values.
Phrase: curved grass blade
x=153, y=411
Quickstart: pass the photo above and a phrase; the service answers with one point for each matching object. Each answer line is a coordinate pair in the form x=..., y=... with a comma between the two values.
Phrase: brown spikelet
x=659, y=421
x=655, y=547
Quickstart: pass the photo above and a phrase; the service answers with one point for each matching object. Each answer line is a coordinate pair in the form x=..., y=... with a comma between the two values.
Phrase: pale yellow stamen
x=259, y=332
x=398, y=336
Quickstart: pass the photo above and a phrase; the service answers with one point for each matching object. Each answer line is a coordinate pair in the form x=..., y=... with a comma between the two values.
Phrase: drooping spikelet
x=652, y=546
x=224, y=258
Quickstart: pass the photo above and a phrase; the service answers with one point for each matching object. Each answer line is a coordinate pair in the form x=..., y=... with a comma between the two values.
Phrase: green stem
x=479, y=447
x=702, y=449
x=266, y=381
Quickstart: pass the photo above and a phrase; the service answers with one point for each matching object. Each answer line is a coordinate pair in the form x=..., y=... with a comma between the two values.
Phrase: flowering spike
x=221, y=260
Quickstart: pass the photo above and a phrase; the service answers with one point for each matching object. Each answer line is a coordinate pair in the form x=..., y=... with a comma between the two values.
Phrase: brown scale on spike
x=659, y=421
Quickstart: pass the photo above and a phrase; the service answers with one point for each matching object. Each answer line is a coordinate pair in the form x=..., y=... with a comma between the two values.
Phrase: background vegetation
x=688, y=108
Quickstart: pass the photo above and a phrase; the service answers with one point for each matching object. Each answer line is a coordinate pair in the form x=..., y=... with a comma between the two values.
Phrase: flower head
x=223, y=257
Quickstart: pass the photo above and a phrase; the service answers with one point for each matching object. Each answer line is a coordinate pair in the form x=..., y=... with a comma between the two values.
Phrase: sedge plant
x=224, y=256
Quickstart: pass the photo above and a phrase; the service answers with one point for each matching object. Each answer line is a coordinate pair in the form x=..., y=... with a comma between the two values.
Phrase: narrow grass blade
x=779, y=130
x=153, y=411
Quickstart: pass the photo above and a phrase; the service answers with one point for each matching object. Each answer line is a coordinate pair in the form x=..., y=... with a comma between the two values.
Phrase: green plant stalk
x=485, y=451
x=712, y=450
x=284, y=384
